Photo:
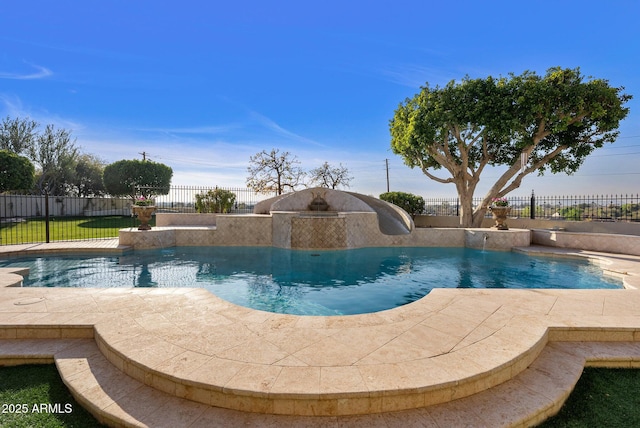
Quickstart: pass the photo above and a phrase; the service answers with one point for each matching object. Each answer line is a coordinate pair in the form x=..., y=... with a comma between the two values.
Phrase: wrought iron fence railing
x=184, y=199
x=576, y=208
x=40, y=218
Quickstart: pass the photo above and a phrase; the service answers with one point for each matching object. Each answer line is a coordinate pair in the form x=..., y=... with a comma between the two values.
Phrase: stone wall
x=309, y=231
x=608, y=243
x=623, y=228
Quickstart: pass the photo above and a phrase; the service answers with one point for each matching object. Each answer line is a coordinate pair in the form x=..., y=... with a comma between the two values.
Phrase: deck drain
x=29, y=301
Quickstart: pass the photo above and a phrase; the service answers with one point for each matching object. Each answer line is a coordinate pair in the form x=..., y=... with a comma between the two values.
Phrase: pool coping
x=449, y=345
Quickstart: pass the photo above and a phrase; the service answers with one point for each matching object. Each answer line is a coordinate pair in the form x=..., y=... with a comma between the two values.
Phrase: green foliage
x=630, y=211
x=64, y=229
x=24, y=387
x=215, y=201
x=56, y=155
x=87, y=179
x=526, y=212
x=61, y=169
x=602, y=397
x=572, y=213
x=413, y=204
x=17, y=135
x=136, y=177
x=528, y=123
x=16, y=172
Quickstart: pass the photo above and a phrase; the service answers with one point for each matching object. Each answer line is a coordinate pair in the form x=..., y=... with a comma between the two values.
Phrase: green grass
x=65, y=229
x=602, y=398
x=23, y=389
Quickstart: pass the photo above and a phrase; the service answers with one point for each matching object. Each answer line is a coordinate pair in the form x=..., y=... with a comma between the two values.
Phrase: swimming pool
x=314, y=282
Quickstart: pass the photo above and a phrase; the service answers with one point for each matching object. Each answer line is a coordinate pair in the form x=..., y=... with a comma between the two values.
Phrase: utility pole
x=386, y=161
x=144, y=156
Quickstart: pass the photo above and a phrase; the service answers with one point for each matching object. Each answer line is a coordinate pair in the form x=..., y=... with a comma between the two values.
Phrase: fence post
x=532, y=206
x=46, y=215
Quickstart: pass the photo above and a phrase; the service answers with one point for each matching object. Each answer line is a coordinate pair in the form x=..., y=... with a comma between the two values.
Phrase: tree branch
x=438, y=179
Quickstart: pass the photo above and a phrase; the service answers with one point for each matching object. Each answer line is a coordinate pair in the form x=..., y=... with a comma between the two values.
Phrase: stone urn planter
x=500, y=216
x=144, y=213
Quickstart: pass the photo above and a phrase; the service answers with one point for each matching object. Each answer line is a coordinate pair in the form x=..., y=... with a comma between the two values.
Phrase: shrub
x=215, y=201
x=413, y=204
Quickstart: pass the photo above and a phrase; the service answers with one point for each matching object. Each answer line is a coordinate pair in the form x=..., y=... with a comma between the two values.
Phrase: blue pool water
x=314, y=282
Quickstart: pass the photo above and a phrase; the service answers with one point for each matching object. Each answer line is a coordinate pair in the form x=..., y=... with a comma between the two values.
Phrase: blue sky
x=202, y=86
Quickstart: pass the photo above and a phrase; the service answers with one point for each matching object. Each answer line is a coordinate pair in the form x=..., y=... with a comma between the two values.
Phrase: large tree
x=87, y=180
x=17, y=135
x=16, y=172
x=56, y=154
x=526, y=123
x=329, y=176
x=274, y=172
x=137, y=178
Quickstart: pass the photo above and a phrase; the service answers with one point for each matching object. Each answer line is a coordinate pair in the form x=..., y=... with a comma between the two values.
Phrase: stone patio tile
x=292, y=340
x=622, y=303
x=434, y=342
x=451, y=325
x=397, y=350
x=182, y=364
x=384, y=377
x=154, y=354
x=329, y=352
x=365, y=340
x=335, y=380
x=254, y=350
x=182, y=415
x=221, y=338
x=410, y=418
x=157, y=324
x=30, y=347
x=254, y=378
x=293, y=381
x=215, y=373
x=577, y=304
x=456, y=414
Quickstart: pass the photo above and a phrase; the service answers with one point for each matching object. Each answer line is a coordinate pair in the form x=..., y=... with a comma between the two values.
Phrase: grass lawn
x=65, y=229
x=26, y=392
x=602, y=398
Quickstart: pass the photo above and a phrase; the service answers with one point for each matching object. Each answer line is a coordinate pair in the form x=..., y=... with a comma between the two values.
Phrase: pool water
x=314, y=282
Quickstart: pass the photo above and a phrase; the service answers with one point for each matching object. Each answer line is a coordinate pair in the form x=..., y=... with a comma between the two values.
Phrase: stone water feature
x=314, y=219
x=321, y=218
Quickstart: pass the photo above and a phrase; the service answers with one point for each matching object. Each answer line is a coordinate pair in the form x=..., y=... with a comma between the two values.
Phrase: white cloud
x=273, y=126
x=39, y=73
x=415, y=76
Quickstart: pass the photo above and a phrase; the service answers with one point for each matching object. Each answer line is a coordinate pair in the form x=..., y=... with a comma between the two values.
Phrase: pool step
x=119, y=400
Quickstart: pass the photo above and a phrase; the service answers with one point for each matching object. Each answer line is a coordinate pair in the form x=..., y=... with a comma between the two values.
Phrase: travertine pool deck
x=183, y=357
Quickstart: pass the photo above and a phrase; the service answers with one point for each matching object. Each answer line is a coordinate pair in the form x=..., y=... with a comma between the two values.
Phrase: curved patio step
x=116, y=399
x=244, y=382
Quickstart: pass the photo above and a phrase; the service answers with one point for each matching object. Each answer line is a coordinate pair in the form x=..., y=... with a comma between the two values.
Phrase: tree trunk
x=466, y=209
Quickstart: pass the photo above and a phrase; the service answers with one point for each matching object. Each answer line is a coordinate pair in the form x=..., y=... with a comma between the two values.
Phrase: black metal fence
x=183, y=199
x=576, y=208
x=28, y=219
